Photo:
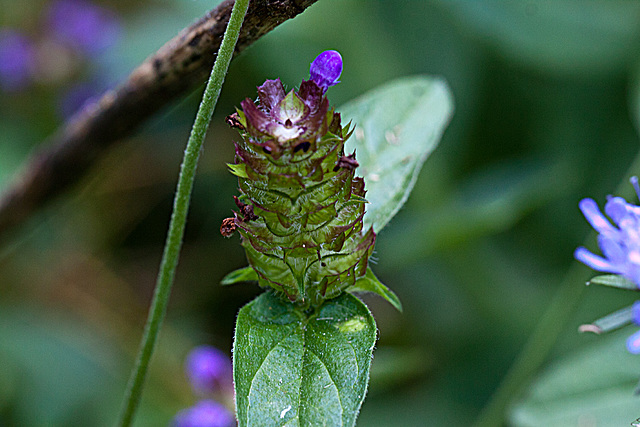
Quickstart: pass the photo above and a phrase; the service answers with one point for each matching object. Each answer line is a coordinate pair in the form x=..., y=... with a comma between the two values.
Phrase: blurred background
x=546, y=114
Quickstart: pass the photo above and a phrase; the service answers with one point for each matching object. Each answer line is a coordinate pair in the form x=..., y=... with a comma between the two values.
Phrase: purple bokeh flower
x=86, y=27
x=208, y=370
x=619, y=243
x=206, y=413
x=17, y=57
x=326, y=69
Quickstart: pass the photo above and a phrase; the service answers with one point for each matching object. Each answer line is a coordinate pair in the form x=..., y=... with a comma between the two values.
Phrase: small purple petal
x=592, y=214
x=270, y=93
x=635, y=312
x=17, y=56
x=206, y=413
x=208, y=369
x=311, y=94
x=616, y=208
x=326, y=69
x=633, y=343
x=594, y=261
x=257, y=118
x=612, y=250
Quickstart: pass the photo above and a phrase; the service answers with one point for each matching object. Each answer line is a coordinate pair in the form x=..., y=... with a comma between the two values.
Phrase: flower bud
x=326, y=69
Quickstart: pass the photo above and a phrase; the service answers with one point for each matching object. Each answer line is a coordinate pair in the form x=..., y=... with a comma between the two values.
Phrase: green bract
x=302, y=206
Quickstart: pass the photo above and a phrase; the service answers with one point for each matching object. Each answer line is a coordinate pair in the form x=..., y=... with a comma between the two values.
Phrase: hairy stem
x=543, y=338
x=175, y=234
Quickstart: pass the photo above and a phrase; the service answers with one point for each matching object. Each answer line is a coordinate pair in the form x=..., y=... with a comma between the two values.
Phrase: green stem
x=175, y=233
x=543, y=338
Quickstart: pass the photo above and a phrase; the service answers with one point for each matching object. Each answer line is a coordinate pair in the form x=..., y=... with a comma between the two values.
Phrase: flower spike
x=302, y=207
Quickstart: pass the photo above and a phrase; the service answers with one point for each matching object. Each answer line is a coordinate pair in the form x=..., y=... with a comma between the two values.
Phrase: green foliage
x=397, y=126
x=370, y=283
x=56, y=369
x=542, y=120
x=615, y=281
x=296, y=368
x=245, y=274
x=593, y=385
x=611, y=322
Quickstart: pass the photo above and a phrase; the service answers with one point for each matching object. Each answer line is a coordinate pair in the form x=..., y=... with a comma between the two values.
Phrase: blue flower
x=208, y=370
x=619, y=243
x=205, y=413
x=326, y=69
x=633, y=342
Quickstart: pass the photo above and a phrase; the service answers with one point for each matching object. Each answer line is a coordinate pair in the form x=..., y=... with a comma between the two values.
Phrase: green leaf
x=246, y=274
x=615, y=281
x=297, y=369
x=370, y=283
x=54, y=369
x=594, y=385
x=562, y=38
x=397, y=126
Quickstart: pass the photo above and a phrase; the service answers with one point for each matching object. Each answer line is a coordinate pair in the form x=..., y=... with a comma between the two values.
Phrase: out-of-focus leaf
x=58, y=370
x=489, y=202
x=614, y=280
x=593, y=386
x=394, y=366
x=634, y=98
x=559, y=37
x=397, y=126
x=295, y=369
x=14, y=147
x=246, y=274
x=370, y=283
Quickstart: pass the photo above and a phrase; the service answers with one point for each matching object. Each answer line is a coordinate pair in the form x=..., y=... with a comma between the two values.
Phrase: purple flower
x=205, y=413
x=633, y=342
x=619, y=243
x=16, y=60
x=326, y=69
x=84, y=26
x=208, y=369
